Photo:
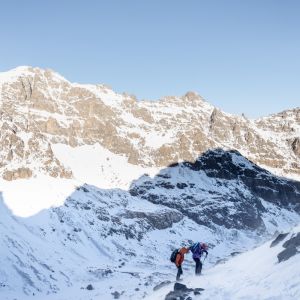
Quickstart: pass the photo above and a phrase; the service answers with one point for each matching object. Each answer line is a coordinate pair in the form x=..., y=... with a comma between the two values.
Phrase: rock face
x=20, y=173
x=39, y=108
x=236, y=193
x=182, y=292
x=278, y=239
x=296, y=146
x=291, y=248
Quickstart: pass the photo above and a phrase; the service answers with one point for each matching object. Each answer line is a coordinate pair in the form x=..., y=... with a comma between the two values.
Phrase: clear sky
x=241, y=56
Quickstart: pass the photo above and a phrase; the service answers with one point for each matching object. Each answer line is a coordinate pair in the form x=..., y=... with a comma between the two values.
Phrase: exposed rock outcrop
x=240, y=188
x=39, y=107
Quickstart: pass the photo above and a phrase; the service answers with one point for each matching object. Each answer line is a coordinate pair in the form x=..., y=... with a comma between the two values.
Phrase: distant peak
x=20, y=71
x=190, y=95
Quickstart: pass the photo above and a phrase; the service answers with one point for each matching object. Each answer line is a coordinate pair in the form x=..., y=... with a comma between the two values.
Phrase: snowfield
x=97, y=189
x=256, y=274
x=63, y=239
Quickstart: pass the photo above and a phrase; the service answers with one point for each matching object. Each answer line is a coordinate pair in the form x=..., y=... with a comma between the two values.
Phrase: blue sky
x=241, y=56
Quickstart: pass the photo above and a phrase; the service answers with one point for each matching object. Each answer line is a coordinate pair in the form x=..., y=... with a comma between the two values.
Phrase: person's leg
x=179, y=272
x=196, y=260
x=198, y=266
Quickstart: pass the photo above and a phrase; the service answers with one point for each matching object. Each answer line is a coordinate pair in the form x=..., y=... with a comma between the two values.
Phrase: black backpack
x=173, y=255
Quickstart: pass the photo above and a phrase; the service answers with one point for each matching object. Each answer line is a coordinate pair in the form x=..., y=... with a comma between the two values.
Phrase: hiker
x=177, y=257
x=198, y=249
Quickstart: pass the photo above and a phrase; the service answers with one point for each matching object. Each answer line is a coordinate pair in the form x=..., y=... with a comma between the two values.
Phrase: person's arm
x=206, y=253
x=177, y=260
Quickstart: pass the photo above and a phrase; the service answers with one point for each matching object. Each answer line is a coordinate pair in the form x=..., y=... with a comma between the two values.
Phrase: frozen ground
x=256, y=274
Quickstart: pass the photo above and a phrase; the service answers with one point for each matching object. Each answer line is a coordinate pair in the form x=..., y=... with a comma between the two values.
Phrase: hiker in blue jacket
x=198, y=249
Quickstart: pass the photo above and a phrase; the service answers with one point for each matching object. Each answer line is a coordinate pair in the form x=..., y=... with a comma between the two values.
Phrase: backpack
x=194, y=247
x=173, y=255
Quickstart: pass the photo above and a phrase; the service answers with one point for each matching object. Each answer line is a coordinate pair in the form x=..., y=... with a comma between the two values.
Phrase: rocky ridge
x=235, y=193
x=39, y=108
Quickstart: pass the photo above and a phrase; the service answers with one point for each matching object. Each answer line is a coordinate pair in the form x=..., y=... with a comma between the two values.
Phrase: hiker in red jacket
x=179, y=261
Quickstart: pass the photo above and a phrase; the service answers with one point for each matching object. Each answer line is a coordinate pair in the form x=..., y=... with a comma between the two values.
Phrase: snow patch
x=26, y=197
x=93, y=164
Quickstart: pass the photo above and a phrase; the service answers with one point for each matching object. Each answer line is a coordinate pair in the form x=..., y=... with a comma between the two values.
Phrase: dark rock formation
x=290, y=250
x=116, y=295
x=182, y=292
x=159, y=220
x=296, y=146
x=231, y=196
x=279, y=239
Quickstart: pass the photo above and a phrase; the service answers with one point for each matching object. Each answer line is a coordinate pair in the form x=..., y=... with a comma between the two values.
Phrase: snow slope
x=58, y=252
x=120, y=241
x=100, y=167
x=256, y=274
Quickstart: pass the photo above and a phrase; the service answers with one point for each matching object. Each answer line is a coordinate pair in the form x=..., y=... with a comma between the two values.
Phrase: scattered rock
x=182, y=292
x=181, y=185
x=197, y=291
x=290, y=250
x=286, y=254
x=90, y=287
x=116, y=295
x=293, y=242
x=278, y=239
x=181, y=287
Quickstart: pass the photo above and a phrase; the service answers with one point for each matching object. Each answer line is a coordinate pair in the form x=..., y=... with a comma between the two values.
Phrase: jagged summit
x=40, y=110
x=233, y=192
x=28, y=72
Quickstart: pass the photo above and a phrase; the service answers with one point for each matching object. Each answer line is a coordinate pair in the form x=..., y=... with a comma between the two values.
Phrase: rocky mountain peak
x=192, y=96
x=40, y=107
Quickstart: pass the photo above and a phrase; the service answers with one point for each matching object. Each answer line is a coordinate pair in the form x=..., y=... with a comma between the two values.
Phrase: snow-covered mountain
x=98, y=188
x=104, y=237
x=39, y=109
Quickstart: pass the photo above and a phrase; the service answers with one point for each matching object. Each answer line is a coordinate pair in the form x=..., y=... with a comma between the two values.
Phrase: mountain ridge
x=26, y=69
x=40, y=109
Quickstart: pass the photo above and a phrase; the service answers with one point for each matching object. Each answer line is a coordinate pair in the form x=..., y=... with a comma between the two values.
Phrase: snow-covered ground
x=56, y=253
x=27, y=197
x=93, y=164
x=61, y=248
x=58, y=236
x=256, y=274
